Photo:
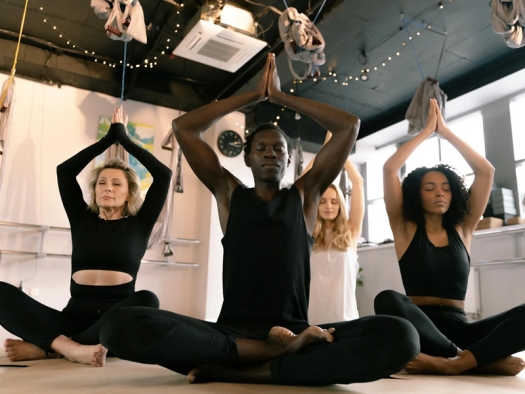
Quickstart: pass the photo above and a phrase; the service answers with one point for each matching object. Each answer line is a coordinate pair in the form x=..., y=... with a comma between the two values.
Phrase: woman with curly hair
x=109, y=236
x=433, y=217
x=333, y=262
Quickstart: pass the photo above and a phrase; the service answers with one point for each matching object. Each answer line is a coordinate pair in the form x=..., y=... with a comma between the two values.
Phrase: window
x=470, y=129
x=377, y=219
x=437, y=150
x=517, y=118
x=426, y=154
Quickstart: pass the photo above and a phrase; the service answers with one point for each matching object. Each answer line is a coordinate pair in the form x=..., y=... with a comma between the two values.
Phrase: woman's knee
x=387, y=302
x=147, y=298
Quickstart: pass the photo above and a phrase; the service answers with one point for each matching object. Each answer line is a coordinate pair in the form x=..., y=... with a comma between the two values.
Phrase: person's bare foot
x=510, y=366
x=279, y=342
x=17, y=350
x=94, y=355
x=253, y=373
x=424, y=364
x=290, y=343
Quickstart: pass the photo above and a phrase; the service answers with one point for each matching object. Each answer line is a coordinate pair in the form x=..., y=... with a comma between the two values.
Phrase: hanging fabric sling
x=508, y=20
x=124, y=24
x=417, y=111
x=6, y=103
x=302, y=42
x=163, y=232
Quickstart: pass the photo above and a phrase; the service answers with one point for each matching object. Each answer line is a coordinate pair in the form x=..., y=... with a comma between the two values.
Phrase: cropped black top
x=433, y=271
x=114, y=245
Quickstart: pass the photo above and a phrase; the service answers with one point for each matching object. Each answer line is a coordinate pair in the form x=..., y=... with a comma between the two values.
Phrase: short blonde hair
x=132, y=207
x=341, y=233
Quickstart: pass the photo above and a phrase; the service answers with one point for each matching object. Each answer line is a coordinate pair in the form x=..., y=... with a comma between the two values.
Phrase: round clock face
x=229, y=143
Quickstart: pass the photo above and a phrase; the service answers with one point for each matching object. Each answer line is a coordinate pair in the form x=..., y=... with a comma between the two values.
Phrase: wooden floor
x=61, y=376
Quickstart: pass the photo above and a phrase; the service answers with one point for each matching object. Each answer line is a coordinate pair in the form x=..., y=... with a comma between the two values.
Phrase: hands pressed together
x=269, y=85
x=435, y=122
x=118, y=115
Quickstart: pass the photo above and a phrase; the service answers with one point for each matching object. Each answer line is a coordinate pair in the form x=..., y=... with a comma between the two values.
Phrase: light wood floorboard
x=60, y=376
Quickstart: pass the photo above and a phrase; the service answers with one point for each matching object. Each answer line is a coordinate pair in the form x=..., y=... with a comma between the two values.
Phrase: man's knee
x=113, y=327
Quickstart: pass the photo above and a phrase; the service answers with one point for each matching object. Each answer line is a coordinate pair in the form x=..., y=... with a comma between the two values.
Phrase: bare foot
x=280, y=341
x=290, y=343
x=510, y=366
x=17, y=350
x=428, y=365
x=94, y=355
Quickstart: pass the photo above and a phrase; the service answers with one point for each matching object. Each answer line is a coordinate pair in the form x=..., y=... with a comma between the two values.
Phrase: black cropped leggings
x=40, y=325
x=442, y=330
x=364, y=350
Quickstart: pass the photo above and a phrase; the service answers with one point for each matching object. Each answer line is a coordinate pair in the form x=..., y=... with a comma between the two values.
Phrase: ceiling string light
x=65, y=41
x=365, y=73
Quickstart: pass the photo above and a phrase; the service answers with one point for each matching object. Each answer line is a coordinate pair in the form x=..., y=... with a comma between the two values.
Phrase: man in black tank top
x=262, y=334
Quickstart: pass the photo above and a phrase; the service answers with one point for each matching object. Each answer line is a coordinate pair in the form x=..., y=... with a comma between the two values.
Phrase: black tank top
x=266, y=268
x=433, y=271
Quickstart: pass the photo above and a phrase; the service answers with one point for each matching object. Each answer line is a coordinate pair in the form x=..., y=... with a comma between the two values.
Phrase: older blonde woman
x=109, y=237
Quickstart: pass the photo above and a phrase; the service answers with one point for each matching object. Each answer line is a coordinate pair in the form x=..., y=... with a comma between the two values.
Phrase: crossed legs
x=444, y=332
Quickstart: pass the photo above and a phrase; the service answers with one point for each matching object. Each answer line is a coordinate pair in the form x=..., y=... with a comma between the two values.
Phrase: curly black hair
x=413, y=205
x=265, y=126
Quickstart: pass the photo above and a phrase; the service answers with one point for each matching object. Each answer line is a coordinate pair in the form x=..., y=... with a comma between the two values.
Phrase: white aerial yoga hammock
x=302, y=41
x=6, y=103
x=122, y=25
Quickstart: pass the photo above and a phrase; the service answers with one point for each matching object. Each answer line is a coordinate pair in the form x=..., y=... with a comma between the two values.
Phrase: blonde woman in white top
x=333, y=263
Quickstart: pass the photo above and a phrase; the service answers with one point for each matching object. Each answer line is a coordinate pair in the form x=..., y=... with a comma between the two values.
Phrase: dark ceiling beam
x=463, y=84
x=44, y=62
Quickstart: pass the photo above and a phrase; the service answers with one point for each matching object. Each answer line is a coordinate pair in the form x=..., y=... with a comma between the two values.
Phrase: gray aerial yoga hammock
x=302, y=41
x=417, y=111
x=508, y=20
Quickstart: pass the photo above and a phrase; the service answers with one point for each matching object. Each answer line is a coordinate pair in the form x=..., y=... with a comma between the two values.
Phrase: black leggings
x=443, y=330
x=40, y=325
x=364, y=350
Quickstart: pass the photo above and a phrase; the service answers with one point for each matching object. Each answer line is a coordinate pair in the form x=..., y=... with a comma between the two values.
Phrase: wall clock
x=229, y=143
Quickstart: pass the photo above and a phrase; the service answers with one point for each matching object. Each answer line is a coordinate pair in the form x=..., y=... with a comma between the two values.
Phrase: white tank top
x=332, y=286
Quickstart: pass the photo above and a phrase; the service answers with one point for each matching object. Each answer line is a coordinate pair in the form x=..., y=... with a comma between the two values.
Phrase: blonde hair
x=133, y=205
x=341, y=232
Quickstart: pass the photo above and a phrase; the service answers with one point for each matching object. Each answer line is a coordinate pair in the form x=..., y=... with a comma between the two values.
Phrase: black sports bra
x=433, y=271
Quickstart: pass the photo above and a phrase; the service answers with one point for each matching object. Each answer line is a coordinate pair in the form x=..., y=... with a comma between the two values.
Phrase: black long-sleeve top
x=113, y=245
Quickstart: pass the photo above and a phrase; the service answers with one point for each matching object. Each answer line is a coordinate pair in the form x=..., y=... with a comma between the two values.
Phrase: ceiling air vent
x=217, y=46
